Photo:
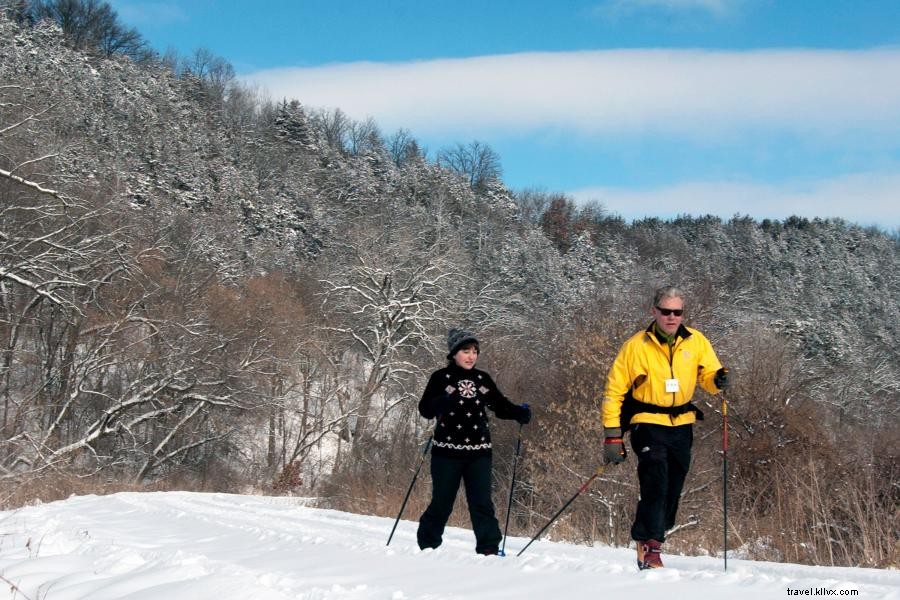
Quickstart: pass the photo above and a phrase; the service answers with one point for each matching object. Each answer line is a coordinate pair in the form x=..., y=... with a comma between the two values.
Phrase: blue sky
x=765, y=108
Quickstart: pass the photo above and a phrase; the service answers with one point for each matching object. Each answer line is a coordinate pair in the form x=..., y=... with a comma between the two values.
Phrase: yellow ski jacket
x=645, y=366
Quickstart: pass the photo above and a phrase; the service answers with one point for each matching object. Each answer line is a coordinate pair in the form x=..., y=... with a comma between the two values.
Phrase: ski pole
x=411, y=484
x=512, y=485
x=583, y=487
x=725, y=476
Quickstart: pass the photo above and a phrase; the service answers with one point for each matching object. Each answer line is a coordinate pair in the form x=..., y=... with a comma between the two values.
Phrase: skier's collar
x=663, y=337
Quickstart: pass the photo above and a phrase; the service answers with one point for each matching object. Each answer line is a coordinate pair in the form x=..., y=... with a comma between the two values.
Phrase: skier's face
x=669, y=322
x=466, y=356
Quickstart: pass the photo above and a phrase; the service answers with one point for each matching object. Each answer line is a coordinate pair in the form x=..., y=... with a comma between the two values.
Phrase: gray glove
x=613, y=447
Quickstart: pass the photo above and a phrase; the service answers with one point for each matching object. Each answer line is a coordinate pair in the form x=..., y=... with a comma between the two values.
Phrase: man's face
x=466, y=356
x=669, y=322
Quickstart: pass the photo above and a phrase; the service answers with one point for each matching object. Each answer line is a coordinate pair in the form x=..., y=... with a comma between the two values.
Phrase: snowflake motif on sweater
x=467, y=388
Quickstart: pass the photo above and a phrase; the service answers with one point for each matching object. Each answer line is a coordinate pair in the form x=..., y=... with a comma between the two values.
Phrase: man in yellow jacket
x=649, y=390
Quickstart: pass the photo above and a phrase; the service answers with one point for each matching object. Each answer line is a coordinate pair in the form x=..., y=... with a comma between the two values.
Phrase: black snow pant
x=664, y=457
x=446, y=475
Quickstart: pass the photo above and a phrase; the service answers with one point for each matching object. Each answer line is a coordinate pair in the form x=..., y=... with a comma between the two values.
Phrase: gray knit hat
x=456, y=338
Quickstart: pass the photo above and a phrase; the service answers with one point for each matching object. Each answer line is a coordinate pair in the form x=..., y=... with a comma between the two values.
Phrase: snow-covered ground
x=188, y=546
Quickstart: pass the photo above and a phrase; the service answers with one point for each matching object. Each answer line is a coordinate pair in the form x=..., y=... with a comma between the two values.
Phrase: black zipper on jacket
x=672, y=374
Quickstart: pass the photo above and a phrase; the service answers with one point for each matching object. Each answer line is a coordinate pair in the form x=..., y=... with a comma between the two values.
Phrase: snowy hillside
x=190, y=546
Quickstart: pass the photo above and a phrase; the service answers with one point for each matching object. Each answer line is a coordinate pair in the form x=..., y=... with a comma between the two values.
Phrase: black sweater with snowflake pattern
x=459, y=399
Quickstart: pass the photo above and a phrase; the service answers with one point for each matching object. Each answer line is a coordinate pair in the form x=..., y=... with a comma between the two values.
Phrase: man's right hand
x=613, y=447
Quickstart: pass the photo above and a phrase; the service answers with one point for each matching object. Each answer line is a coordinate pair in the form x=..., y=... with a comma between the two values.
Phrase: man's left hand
x=524, y=417
x=721, y=379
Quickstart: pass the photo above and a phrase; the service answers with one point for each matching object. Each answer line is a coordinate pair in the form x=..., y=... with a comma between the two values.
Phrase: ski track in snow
x=192, y=546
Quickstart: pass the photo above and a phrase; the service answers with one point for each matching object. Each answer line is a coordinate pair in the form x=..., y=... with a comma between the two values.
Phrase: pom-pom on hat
x=457, y=338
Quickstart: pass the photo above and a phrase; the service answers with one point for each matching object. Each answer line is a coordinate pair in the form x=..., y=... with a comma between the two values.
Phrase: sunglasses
x=670, y=311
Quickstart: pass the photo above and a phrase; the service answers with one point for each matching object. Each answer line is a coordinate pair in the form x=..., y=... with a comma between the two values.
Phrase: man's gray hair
x=668, y=291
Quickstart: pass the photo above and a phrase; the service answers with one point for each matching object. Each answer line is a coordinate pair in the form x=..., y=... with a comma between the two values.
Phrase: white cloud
x=695, y=93
x=821, y=98
x=864, y=198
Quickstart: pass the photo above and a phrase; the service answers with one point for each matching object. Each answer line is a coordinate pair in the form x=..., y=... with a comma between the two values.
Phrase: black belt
x=631, y=407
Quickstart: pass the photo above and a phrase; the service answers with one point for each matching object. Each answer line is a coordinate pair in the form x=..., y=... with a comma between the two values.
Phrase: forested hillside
x=205, y=289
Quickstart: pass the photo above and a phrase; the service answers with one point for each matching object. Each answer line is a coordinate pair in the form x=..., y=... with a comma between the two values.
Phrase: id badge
x=671, y=386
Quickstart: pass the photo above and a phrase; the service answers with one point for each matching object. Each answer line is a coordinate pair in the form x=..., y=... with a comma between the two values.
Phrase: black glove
x=524, y=414
x=613, y=447
x=721, y=379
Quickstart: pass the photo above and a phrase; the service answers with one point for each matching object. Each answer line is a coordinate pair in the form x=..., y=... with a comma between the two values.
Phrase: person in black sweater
x=458, y=396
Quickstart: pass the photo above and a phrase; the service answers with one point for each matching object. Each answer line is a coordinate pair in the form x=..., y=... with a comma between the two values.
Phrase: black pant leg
x=680, y=440
x=446, y=474
x=477, y=477
x=649, y=519
x=664, y=456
